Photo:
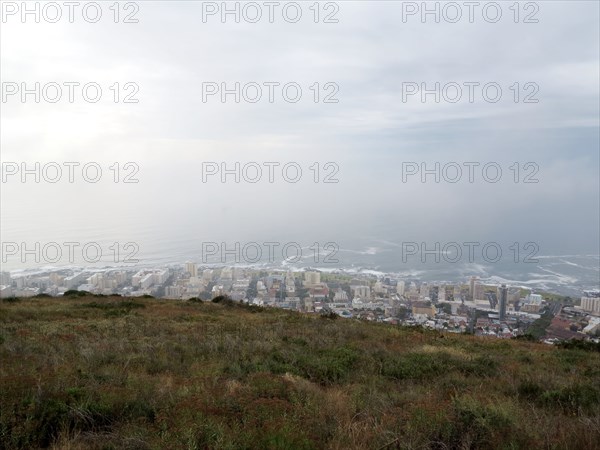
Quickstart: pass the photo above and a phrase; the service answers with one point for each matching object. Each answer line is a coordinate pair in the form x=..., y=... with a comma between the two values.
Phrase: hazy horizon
x=370, y=137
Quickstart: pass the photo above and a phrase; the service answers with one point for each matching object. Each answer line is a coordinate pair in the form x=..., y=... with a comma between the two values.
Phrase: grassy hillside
x=101, y=373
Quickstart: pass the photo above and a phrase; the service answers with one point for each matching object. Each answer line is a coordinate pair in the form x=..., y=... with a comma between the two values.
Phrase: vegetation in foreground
x=85, y=372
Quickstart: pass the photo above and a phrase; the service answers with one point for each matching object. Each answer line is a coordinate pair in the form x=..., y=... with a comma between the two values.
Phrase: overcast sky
x=369, y=133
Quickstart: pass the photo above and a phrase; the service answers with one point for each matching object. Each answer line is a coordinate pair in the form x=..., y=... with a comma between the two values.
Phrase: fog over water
x=366, y=144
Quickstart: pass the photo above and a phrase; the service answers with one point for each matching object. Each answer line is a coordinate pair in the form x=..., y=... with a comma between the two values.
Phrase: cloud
x=369, y=133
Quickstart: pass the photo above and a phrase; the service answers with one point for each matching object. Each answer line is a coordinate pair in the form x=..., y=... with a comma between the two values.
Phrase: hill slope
x=87, y=372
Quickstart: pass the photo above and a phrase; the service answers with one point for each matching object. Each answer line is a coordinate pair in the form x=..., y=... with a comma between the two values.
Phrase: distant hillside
x=85, y=372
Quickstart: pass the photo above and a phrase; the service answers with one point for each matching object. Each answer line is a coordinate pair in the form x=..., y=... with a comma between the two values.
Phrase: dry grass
x=112, y=373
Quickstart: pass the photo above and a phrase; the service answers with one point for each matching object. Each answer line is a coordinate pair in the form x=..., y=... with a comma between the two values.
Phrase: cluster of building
x=484, y=309
x=576, y=322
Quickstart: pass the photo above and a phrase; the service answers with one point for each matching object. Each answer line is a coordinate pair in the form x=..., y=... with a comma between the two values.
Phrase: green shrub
x=578, y=344
x=573, y=399
x=114, y=305
x=417, y=366
x=530, y=390
x=224, y=300
x=525, y=337
x=325, y=314
x=481, y=366
x=75, y=293
x=483, y=426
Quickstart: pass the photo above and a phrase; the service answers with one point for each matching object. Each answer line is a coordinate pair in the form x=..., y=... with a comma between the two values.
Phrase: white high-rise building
x=5, y=278
x=161, y=276
x=362, y=292
x=135, y=279
x=289, y=279
x=207, y=275
x=96, y=280
x=238, y=273
x=147, y=281
x=378, y=288
x=591, y=305
x=121, y=277
x=442, y=294
x=191, y=268
x=472, y=286
x=535, y=299
x=195, y=282
x=340, y=296
x=5, y=291
x=173, y=291
x=226, y=274
x=55, y=278
x=73, y=281
x=400, y=287
x=412, y=288
x=312, y=278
